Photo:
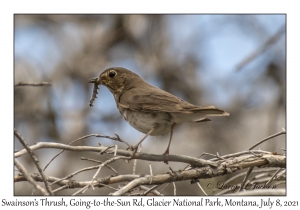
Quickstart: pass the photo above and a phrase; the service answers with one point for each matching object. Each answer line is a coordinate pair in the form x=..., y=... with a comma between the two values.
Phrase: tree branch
x=142, y=156
x=35, y=160
x=33, y=84
x=28, y=178
x=225, y=167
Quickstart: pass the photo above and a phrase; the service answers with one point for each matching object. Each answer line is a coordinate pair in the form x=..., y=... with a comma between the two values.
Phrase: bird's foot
x=166, y=154
x=133, y=149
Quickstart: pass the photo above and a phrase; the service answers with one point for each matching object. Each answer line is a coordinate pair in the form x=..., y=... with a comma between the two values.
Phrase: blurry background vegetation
x=200, y=58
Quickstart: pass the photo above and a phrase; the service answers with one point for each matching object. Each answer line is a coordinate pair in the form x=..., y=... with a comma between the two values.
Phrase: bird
x=147, y=108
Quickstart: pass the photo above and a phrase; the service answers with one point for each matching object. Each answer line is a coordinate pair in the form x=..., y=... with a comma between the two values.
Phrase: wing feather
x=153, y=99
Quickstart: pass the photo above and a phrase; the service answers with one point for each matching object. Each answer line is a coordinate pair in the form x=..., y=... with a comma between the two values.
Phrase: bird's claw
x=133, y=149
x=166, y=154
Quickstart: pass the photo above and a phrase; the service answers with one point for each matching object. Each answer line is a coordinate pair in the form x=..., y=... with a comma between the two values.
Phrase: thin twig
x=116, y=139
x=281, y=173
x=104, y=163
x=33, y=84
x=217, y=155
x=116, y=149
x=142, y=156
x=245, y=178
x=98, y=161
x=35, y=160
x=270, y=137
x=74, y=173
x=84, y=137
x=72, y=142
x=174, y=188
x=105, y=185
x=109, y=147
x=60, y=188
x=244, y=173
x=152, y=189
x=263, y=48
x=260, y=176
x=82, y=189
x=134, y=166
x=273, y=176
x=237, y=154
x=201, y=188
x=150, y=169
x=29, y=178
x=164, y=187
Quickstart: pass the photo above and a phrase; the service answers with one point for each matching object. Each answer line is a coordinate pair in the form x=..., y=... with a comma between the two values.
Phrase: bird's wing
x=153, y=99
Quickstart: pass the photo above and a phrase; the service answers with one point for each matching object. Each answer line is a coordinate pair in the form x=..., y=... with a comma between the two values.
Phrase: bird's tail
x=201, y=113
x=210, y=110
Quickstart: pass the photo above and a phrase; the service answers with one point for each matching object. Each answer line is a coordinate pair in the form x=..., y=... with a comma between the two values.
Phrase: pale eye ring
x=112, y=74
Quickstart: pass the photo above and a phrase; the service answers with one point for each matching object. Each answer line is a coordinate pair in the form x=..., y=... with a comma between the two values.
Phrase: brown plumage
x=147, y=108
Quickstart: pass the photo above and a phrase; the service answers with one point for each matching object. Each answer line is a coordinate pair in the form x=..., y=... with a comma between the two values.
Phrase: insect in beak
x=95, y=89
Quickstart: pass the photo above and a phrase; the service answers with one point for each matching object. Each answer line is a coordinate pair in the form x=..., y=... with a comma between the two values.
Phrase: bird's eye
x=112, y=74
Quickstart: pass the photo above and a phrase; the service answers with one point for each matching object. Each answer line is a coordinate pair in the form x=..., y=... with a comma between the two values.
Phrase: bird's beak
x=94, y=80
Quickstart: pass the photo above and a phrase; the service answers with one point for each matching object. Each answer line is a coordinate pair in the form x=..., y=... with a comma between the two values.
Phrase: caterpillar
x=94, y=95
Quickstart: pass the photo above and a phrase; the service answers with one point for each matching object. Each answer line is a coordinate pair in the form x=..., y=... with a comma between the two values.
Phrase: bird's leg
x=166, y=153
x=137, y=145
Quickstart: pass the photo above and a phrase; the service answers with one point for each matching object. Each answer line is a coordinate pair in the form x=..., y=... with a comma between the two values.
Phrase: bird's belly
x=145, y=121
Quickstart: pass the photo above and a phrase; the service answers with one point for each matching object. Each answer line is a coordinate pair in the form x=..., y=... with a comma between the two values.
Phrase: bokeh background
x=234, y=62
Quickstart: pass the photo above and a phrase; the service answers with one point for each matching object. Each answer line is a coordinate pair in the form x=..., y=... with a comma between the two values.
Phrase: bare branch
x=269, y=137
x=246, y=177
x=142, y=156
x=35, y=160
x=201, y=188
x=225, y=167
x=107, y=162
x=33, y=84
x=84, y=137
x=281, y=174
x=244, y=173
x=151, y=190
x=241, y=153
x=60, y=188
x=76, y=172
x=273, y=176
x=28, y=177
x=198, y=169
x=98, y=161
x=174, y=188
x=262, y=49
x=164, y=187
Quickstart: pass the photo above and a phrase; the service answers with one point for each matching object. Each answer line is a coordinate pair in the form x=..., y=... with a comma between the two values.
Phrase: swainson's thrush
x=147, y=108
